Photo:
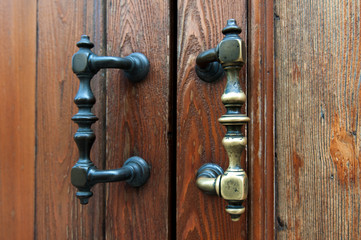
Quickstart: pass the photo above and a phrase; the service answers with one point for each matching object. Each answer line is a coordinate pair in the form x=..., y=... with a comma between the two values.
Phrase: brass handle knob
x=84, y=174
x=229, y=55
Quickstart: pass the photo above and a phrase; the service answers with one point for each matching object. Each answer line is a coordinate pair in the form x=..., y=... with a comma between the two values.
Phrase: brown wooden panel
x=137, y=119
x=199, y=135
x=17, y=118
x=260, y=85
x=59, y=214
x=318, y=66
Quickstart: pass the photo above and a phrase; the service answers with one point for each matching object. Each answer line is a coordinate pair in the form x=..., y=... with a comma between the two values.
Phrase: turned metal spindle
x=229, y=55
x=84, y=174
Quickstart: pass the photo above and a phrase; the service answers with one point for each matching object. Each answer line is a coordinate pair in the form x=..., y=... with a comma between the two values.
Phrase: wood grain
x=59, y=214
x=199, y=135
x=17, y=118
x=261, y=217
x=318, y=66
x=138, y=119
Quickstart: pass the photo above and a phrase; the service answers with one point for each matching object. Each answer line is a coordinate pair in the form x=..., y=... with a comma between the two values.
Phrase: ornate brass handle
x=84, y=174
x=232, y=185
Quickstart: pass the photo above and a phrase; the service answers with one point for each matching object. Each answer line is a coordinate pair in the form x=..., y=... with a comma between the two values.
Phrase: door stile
x=58, y=212
x=17, y=118
x=138, y=119
x=261, y=149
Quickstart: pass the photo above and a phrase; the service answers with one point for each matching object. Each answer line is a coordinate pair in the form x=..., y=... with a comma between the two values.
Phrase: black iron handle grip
x=232, y=184
x=84, y=174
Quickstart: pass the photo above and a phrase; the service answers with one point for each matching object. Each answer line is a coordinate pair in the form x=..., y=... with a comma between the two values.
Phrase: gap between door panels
x=172, y=134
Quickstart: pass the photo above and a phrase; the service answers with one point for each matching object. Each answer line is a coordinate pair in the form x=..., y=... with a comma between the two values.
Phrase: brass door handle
x=84, y=174
x=230, y=56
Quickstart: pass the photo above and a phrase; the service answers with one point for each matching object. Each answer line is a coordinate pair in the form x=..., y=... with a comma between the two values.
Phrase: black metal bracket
x=208, y=68
x=84, y=174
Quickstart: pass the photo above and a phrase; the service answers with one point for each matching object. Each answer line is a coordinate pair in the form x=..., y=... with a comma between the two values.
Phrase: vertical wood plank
x=261, y=217
x=59, y=214
x=199, y=135
x=17, y=118
x=137, y=119
x=318, y=66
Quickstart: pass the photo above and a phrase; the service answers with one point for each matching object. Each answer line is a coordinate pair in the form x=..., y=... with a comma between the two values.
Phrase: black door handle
x=84, y=174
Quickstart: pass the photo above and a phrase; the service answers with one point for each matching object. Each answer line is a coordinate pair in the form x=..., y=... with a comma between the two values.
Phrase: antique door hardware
x=232, y=185
x=208, y=68
x=84, y=174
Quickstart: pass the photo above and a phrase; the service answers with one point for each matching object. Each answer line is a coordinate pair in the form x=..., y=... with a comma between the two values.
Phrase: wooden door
x=37, y=148
x=168, y=119
x=302, y=80
x=133, y=120
x=318, y=66
x=199, y=134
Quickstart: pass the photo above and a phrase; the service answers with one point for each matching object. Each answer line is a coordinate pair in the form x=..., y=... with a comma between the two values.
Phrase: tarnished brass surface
x=232, y=185
x=207, y=184
x=231, y=52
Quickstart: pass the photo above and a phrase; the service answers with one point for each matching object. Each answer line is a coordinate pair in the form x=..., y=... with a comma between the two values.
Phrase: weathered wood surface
x=318, y=66
x=17, y=118
x=142, y=119
x=261, y=218
x=199, y=135
x=138, y=120
x=59, y=214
